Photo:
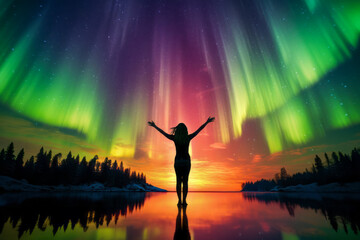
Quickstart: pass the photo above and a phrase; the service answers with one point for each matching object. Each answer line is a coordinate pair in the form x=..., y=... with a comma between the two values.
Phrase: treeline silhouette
x=341, y=168
x=70, y=209
x=48, y=169
x=337, y=211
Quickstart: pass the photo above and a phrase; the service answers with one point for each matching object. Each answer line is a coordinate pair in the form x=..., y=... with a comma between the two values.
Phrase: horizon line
x=208, y=191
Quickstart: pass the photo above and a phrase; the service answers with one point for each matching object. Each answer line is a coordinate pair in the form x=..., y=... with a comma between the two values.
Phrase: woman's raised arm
x=169, y=136
x=209, y=120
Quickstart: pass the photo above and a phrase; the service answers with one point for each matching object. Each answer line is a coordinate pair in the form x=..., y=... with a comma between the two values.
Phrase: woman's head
x=180, y=133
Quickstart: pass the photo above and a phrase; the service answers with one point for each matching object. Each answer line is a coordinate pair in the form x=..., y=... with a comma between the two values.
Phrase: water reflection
x=338, y=209
x=150, y=216
x=182, y=225
x=63, y=210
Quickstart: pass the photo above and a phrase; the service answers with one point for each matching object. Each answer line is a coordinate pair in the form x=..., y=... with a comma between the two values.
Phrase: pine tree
x=77, y=160
x=10, y=160
x=48, y=158
x=83, y=170
x=327, y=160
x=283, y=174
x=75, y=170
x=55, y=161
x=2, y=162
x=19, y=161
x=114, y=166
x=68, y=168
x=54, y=169
x=318, y=164
x=277, y=178
x=42, y=166
x=97, y=167
x=355, y=164
x=29, y=169
x=335, y=157
x=91, y=169
x=121, y=168
x=313, y=169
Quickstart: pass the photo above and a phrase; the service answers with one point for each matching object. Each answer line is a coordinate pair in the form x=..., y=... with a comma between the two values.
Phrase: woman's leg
x=178, y=187
x=185, y=186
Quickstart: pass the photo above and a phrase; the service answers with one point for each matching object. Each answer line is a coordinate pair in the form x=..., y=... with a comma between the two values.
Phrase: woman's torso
x=182, y=153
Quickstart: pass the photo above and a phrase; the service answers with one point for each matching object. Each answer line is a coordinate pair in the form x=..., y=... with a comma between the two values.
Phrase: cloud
x=218, y=145
x=257, y=158
x=139, y=153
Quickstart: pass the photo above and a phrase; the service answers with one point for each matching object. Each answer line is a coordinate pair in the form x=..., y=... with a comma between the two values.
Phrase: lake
x=209, y=215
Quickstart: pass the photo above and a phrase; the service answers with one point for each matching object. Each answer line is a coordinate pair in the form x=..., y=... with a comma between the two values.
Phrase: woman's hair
x=180, y=133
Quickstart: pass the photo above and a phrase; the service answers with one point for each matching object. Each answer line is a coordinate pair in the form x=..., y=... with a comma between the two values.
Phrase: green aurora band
x=266, y=67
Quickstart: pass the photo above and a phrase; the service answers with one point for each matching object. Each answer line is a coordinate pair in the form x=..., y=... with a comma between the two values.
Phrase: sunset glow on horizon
x=281, y=79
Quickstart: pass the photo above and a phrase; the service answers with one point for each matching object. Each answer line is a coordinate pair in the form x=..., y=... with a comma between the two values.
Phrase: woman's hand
x=151, y=124
x=210, y=119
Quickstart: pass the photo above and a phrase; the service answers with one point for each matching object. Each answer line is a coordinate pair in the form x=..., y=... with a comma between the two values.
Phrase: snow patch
x=8, y=184
x=314, y=187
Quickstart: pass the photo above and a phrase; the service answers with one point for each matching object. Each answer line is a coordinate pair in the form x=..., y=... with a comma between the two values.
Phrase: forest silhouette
x=63, y=211
x=338, y=211
x=49, y=169
x=341, y=168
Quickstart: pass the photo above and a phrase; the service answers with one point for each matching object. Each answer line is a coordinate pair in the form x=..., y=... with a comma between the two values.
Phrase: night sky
x=282, y=79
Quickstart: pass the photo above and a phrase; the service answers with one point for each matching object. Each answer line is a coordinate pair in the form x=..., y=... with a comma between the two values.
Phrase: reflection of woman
x=182, y=229
x=182, y=163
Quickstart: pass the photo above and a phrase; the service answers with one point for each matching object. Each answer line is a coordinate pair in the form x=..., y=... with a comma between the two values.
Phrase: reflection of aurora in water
x=339, y=209
x=155, y=216
x=64, y=210
x=101, y=70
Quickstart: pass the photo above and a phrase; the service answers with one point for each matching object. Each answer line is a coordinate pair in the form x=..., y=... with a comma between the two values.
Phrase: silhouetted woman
x=182, y=163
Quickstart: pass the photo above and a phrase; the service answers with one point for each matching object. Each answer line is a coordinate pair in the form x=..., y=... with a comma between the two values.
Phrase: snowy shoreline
x=8, y=184
x=327, y=188
x=353, y=187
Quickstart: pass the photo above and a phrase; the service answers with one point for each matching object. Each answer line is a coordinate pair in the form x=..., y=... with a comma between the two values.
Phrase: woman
x=182, y=159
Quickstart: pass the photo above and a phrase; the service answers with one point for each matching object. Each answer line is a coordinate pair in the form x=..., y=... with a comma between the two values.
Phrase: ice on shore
x=327, y=188
x=8, y=184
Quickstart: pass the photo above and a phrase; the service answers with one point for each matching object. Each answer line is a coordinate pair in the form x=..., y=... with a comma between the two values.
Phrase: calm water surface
x=156, y=216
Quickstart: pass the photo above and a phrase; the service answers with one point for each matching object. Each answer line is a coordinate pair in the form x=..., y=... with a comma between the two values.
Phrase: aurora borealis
x=280, y=77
